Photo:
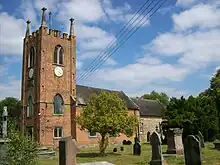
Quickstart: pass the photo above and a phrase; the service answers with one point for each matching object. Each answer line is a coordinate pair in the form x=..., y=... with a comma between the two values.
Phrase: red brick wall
x=83, y=136
x=47, y=85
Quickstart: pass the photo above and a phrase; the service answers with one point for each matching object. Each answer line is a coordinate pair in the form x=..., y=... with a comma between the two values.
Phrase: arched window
x=58, y=55
x=30, y=107
x=58, y=104
x=31, y=57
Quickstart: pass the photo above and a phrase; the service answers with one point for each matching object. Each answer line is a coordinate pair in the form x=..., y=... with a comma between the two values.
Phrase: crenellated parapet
x=44, y=31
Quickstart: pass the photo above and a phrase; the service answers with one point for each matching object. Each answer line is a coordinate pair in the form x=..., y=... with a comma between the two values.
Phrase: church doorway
x=148, y=136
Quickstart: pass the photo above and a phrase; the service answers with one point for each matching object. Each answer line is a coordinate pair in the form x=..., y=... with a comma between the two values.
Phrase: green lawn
x=209, y=156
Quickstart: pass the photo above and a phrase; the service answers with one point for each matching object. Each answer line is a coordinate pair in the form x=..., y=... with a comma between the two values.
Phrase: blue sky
x=176, y=51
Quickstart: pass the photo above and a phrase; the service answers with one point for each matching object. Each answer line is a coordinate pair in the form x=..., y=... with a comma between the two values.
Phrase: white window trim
x=92, y=136
x=58, y=127
x=28, y=112
x=141, y=126
x=58, y=55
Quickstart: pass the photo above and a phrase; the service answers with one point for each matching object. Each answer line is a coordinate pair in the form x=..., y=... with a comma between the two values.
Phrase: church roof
x=84, y=92
x=149, y=107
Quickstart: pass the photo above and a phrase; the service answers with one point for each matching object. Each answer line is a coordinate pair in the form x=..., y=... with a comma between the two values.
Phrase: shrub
x=20, y=150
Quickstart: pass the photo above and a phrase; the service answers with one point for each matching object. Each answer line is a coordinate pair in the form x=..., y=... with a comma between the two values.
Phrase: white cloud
x=78, y=64
x=123, y=14
x=139, y=74
x=194, y=48
x=185, y=3
x=202, y=16
x=149, y=60
x=51, y=5
x=10, y=89
x=12, y=59
x=12, y=34
x=170, y=91
x=28, y=11
x=83, y=10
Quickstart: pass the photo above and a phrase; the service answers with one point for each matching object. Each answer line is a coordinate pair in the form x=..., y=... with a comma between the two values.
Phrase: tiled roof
x=149, y=107
x=83, y=94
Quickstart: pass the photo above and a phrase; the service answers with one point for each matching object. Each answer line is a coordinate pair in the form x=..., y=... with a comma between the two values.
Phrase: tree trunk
x=103, y=144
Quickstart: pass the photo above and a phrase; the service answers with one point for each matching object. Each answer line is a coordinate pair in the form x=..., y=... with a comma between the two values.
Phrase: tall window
x=58, y=55
x=58, y=104
x=58, y=132
x=31, y=57
x=30, y=107
x=141, y=127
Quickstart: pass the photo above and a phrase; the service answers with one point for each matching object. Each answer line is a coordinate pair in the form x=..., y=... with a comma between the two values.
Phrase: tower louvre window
x=30, y=107
x=58, y=104
x=58, y=55
x=31, y=57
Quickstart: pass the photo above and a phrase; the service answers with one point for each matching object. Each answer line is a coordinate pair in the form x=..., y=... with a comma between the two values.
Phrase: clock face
x=31, y=72
x=58, y=71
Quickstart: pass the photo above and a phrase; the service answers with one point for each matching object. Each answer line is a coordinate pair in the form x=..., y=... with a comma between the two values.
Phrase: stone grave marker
x=136, y=147
x=157, y=157
x=192, y=151
x=201, y=139
x=67, y=151
x=174, y=141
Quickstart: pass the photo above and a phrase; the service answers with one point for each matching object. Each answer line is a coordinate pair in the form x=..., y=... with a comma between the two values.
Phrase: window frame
x=57, y=55
x=30, y=112
x=55, y=112
x=92, y=136
x=141, y=130
x=57, y=128
x=31, y=57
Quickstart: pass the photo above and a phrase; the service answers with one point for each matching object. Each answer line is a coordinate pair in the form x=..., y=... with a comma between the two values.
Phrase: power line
x=118, y=34
x=85, y=73
x=95, y=68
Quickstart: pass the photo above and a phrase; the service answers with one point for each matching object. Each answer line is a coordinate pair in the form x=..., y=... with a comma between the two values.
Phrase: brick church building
x=50, y=97
x=49, y=94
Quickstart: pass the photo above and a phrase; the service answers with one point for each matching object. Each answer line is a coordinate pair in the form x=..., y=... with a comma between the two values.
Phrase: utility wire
x=96, y=67
x=117, y=36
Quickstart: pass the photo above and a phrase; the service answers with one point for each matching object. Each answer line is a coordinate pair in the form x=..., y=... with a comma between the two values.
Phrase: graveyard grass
x=209, y=156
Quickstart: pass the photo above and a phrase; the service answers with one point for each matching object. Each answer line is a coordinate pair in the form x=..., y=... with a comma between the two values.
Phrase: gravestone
x=217, y=144
x=136, y=147
x=67, y=151
x=202, y=143
x=157, y=157
x=192, y=151
x=174, y=141
x=3, y=141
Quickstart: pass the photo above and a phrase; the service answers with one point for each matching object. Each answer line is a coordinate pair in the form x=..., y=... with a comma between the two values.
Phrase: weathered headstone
x=202, y=143
x=136, y=147
x=4, y=133
x=4, y=121
x=174, y=141
x=67, y=151
x=192, y=151
x=217, y=144
x=157, y=157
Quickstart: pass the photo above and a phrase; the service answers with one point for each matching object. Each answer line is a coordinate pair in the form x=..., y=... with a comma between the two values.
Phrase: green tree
x=200, y=112
x=14, y=110
x=20, y=149
x=107, y=115
x=176, y=112
x=215, y=92
x=162, y=97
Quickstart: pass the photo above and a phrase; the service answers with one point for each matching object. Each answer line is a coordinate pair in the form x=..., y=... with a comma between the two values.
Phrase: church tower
x=48, y=83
